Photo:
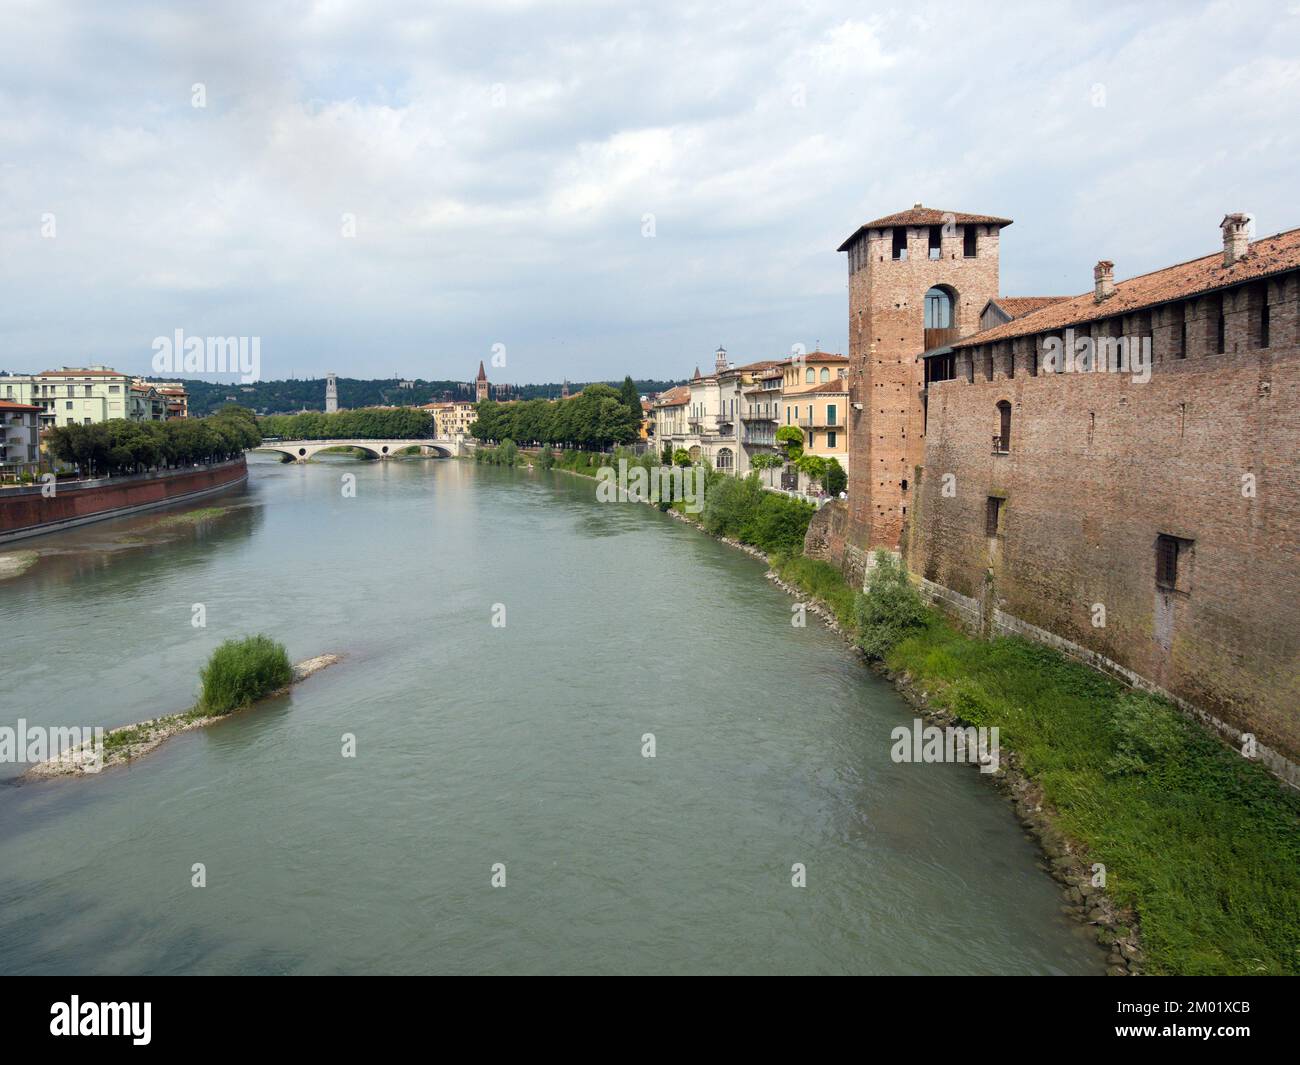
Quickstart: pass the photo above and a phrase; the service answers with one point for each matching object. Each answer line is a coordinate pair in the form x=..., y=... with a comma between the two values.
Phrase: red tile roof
x=1019, y=306
x=1264, y=258
x=674, y=397
x=838, y=385
x=925, y=216
x=9, y=404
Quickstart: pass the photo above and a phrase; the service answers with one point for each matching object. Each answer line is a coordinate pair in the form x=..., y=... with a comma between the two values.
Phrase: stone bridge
x=302, y=450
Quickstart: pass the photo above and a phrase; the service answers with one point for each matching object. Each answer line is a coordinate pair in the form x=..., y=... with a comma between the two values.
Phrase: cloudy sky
x=500, y=164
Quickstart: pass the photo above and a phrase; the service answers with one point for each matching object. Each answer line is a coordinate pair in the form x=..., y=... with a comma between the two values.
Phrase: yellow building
x=451, y=419
x=815, y=397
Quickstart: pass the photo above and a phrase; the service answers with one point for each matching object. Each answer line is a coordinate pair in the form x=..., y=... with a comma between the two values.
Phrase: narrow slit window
x=993, y=516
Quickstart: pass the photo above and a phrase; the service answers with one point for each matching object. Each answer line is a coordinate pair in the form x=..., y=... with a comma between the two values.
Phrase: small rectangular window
x=993, y=516
x=1167, y=561
x=830, y=440
x=1263, y=326
x=1220, y=334
x=936, y=241
x=899, y=242
x=830, y=413
x=968, y=242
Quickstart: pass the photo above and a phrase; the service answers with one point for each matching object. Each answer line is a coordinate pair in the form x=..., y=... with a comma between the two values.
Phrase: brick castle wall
x=1100, y=465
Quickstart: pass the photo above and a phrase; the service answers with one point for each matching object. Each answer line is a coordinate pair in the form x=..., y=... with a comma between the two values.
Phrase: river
x=481, y=745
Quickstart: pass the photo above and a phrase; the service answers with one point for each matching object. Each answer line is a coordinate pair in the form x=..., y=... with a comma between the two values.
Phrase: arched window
x=826, y=374
x=811, y=376
x=938, y=309
x=1002, y=442
x=726, y=460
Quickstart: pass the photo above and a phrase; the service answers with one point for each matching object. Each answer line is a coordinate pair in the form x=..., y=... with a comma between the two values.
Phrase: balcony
x=751, y=416
x=941, y=338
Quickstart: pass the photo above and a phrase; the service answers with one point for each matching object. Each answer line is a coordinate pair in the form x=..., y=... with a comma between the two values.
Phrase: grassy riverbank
x=1203, y=844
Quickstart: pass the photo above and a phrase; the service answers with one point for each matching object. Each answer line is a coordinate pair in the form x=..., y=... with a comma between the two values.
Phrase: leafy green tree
x=837, y=479
x=790, y=439
x=681, y=457
x=813, y=466
x=631, y=400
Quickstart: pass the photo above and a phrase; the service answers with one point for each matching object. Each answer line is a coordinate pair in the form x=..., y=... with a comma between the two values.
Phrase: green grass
x=242, y=671
x=115, y=741
x=820, y=580
x=1203, y=844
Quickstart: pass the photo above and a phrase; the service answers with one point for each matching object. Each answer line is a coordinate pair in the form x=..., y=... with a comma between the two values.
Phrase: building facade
x=85, y=395
x=451, y=419
x=815, y=398
x=74, y=395
x=19, y=439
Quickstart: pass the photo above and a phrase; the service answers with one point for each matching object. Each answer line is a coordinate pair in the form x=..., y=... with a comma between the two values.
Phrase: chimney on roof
x=1236, y=237
x=916, y=206
x=1103, y=277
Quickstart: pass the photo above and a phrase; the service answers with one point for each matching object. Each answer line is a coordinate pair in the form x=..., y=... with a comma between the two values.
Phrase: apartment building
x=452, y=419
x=19, y=439
x=815, y=397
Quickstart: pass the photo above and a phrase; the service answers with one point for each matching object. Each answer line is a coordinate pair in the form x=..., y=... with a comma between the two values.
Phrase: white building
x=19, y=438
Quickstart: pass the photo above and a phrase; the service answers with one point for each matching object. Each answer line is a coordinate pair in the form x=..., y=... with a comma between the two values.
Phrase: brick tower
x=481, y=384
x=918, y=280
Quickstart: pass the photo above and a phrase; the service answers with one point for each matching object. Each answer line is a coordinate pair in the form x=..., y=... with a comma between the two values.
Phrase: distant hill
x=287, y=397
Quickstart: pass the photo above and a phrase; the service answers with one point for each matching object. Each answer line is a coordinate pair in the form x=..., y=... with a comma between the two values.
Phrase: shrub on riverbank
x=242, y=671
x=889, y=609
x=740, y=508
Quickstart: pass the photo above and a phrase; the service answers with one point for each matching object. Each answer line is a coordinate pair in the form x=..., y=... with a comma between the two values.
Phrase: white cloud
x=499, y=159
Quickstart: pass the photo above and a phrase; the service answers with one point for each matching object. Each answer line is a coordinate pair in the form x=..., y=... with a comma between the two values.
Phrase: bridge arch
x=304, y=450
